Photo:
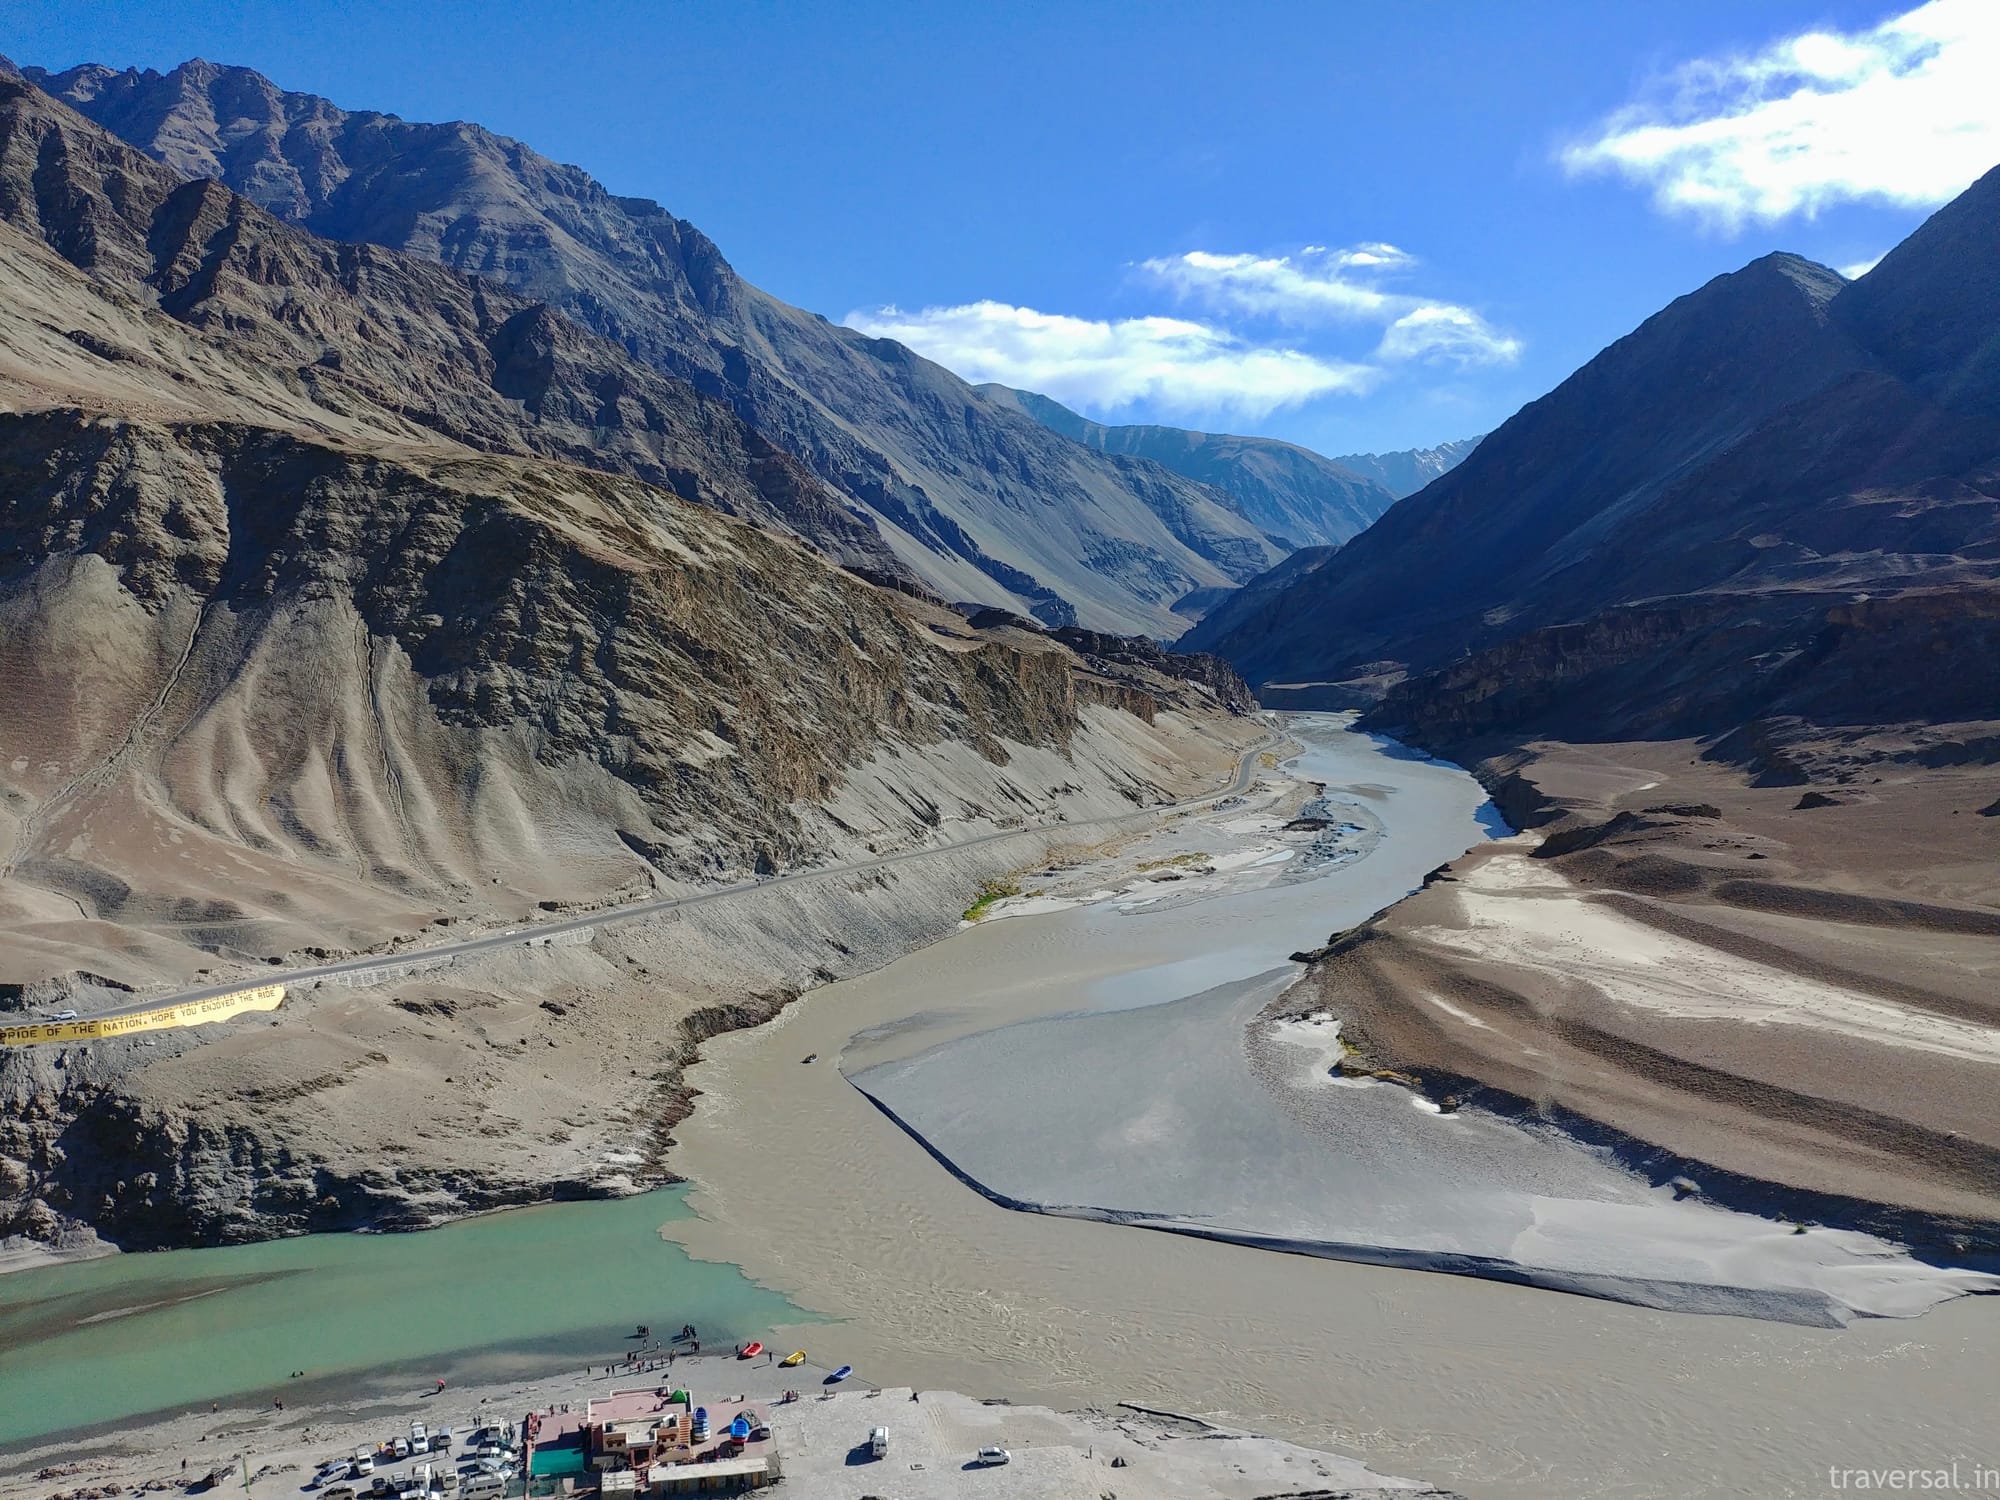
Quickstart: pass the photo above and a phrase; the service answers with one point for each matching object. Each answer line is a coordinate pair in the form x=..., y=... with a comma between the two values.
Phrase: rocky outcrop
x=1108, y=652
x=1761, y=675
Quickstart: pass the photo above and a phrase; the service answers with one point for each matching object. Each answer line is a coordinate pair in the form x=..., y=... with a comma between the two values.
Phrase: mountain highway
x=537, y=933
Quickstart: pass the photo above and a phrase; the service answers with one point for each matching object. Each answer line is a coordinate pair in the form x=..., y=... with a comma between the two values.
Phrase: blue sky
x=1353, y=226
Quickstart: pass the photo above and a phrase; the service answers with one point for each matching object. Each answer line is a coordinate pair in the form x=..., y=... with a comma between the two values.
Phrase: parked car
x=993, y=1457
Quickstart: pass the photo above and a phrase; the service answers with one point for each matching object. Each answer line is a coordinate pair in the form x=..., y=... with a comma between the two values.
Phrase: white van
x=878, y=1443
x=420, y=1441
x=482, y=1487
x=364, y=1463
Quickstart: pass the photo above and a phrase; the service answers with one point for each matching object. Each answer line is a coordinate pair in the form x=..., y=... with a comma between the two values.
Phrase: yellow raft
x=796, y=1357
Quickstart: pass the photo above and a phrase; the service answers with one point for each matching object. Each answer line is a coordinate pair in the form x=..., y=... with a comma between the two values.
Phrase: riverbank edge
x=982, y=857
x=1807, y=1309
x=273, y=1447
x=1947, y=1241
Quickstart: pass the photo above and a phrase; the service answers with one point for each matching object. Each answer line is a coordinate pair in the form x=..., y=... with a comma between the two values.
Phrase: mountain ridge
x=980, y=504
x=1290, y=491
x=1407, y=470
x=1706, y=525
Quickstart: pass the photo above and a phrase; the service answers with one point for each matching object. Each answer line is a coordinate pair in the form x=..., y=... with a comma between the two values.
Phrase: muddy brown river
x=1492, y=1389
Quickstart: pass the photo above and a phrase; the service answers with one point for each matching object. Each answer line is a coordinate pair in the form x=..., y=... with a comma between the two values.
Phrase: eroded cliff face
x=537, y=1073
x=1782, y=677
x=618, y=642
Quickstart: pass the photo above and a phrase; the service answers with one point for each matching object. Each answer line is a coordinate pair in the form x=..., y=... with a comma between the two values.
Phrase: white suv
x=989, y=1457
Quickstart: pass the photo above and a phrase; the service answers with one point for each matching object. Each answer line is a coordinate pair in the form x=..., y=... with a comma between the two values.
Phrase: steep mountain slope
x=1769, y=501
x=1289, y=491
x=1410, y=469
x=981, y=503
x=354, y=330
x=231, y=449
x=313, y=643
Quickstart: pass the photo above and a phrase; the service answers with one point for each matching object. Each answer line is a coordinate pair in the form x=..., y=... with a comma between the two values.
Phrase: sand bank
x=1183, y=1116
x=1515, y=910
x=1800, y=998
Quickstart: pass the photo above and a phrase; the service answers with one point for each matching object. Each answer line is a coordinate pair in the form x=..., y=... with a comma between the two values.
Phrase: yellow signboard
x=160, y=1018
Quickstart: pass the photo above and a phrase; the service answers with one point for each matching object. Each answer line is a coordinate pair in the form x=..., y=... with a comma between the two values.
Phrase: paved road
x=542, y=932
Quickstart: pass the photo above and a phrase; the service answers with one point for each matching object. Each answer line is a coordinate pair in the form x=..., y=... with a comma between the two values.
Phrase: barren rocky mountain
x=1766, y=506
x=980, y=502
x=347, y=601
x=1408, y=470
x=1292, y=492
x=384, y=341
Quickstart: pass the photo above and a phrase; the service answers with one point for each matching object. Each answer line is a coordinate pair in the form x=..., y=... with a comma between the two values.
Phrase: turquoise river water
x=101, y=1340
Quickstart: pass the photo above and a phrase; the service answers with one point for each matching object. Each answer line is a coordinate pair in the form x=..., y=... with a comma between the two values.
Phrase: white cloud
x=1906, y=113
x=1860, y=268
x=1170, y=363
x=1320, y=286
x=1376, y=253
x=1304, y=288
x=1439, y=331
